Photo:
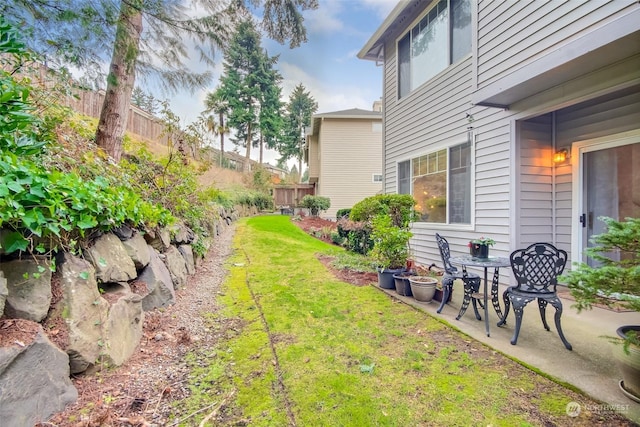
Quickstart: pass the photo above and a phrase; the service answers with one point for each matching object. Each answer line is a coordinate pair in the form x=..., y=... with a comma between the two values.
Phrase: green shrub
x=315, y=204
x=357, y=235
x=390, y=243
x=398, y=206
x=343, y=213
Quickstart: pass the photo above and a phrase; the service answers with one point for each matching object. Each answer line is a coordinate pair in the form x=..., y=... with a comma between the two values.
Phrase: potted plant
x=423, y=288
x=614, y=278
x=390, y=249
x=479, y=248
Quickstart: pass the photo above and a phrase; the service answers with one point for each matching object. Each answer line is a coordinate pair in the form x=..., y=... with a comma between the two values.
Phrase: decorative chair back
x=537, y=267
x=445, y=253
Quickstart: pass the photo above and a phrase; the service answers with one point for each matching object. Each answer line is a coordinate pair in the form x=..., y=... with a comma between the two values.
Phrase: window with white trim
x=440, y=182
x=377, y=177
x=440, y=38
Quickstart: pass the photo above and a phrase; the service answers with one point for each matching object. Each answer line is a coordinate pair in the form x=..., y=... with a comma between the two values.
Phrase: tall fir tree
x=250, y=86
x=144, y=38
x=299, y=110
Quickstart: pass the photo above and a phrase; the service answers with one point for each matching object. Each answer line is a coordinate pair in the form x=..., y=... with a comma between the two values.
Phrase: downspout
x=554, y=200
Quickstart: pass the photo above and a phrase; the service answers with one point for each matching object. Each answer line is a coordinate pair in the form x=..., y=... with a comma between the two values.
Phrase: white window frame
x=472, y=184
x=409, y=32
x=377, y=181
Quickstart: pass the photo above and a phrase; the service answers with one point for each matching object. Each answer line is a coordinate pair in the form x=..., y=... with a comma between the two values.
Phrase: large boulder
x=182, y=234
x=110, y=259
x=4, y=292
x=28, y=288
x=157, y=278
x=177, y=266
x=159, y=239
x=138, y=250
x=84, y=312
x=187, y=253
x=123, y=328
x=34, y=379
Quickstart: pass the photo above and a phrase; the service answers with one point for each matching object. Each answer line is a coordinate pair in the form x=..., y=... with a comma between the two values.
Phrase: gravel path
x=141, y=392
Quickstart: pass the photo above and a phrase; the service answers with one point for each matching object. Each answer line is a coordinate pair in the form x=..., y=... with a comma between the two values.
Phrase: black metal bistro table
x=486, y=263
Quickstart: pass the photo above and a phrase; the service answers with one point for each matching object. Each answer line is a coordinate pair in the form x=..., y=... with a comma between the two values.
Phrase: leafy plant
x=315, y=204
x=398, y=206
x=487, y=241
x=390, y=243
x=615, y=279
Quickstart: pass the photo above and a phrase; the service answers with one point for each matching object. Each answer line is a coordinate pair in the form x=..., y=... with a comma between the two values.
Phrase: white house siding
x=513, y=34
x=433, y=117
x=350, y=154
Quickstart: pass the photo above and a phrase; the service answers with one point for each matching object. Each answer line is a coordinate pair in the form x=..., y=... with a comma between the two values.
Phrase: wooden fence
x=291, y=195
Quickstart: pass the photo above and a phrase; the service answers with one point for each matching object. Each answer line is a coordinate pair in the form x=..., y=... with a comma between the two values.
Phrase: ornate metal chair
x=471, y=281
x=536, y=270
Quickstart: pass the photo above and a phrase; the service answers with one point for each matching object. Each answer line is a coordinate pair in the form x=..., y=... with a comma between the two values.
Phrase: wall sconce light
x=561, y=156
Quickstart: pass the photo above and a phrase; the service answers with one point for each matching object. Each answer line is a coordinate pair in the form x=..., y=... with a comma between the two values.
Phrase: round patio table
x=485, y=263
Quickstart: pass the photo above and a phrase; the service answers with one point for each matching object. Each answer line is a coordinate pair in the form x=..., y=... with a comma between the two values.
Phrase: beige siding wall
x=350, y=153
x=513, y=34
x=314, y=158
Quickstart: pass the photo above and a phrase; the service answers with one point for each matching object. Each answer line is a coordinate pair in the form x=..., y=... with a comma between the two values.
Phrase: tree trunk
x=115, y=108
x=247, y=156
x=221, y=138
x=261, y=146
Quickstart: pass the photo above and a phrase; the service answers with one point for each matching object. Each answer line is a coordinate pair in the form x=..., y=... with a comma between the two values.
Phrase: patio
x=589, y=367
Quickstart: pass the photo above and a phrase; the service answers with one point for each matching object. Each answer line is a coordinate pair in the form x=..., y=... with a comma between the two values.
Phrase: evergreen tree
x=250, y=86
x=79, y=33
x=300, y=109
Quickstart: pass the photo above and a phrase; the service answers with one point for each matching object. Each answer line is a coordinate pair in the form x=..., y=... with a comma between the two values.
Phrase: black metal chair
x=471, y=281
x=536, y=270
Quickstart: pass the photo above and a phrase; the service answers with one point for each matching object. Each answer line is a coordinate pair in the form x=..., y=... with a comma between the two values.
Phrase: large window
x=441, y=184
x=440, y=38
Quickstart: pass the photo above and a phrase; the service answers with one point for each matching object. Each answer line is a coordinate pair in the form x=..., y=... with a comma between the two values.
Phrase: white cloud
x=325, y=18
x=382, y=7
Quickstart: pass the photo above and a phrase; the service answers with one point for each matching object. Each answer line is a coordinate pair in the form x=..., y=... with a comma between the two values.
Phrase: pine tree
x=79, y=33
x=250, y=86
x=299, y=111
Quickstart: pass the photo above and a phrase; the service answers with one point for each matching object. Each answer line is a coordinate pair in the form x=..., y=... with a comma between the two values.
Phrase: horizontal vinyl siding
x=350, y=154
x=512, y=34
x=314, y=158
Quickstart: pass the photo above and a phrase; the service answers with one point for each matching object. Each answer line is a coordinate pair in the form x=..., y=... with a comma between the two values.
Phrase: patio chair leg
x=507, y=306
x=542, y=305
x=446, y=291
x=465, y=302
x=558, y=306
x=518, y=311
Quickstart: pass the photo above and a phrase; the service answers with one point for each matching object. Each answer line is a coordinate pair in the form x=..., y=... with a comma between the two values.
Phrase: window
x=441, y=184
x=377, y=177
x=440, y=38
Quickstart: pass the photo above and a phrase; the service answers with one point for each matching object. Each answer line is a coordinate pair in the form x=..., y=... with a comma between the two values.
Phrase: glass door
x=610, y=186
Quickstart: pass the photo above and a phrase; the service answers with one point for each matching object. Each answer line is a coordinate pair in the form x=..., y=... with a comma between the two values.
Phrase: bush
x=399, y=207
x=356, y=235
x=390, y=243
x=343, y=213
x=315, y=204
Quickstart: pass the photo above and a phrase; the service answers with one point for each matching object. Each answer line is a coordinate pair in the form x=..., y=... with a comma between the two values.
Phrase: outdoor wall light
x=561, y=156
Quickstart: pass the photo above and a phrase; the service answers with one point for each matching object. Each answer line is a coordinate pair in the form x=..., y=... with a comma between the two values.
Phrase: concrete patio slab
x=589, y=366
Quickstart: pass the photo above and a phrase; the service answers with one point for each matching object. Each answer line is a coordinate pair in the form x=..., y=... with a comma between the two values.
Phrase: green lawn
x=309, y=350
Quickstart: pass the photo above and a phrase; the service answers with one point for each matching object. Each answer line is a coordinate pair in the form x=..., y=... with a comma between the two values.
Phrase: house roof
x=353, y=113
x=400, y=17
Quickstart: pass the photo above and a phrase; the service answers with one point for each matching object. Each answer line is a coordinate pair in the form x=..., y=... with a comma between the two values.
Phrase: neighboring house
x=344, y=153
x=479, y=96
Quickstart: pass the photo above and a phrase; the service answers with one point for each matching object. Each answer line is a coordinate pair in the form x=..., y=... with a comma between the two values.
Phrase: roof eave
x=373, y=47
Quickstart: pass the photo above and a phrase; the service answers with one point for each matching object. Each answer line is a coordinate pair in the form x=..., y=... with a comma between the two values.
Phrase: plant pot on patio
x=628, y=360
x=385, y=277
x=403, y=287
x=423, y=288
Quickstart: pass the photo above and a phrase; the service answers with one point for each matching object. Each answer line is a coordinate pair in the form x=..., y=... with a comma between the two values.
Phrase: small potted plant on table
x=479, y=248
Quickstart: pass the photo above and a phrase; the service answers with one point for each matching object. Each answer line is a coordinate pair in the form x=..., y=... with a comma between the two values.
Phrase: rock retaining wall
x=98, y=297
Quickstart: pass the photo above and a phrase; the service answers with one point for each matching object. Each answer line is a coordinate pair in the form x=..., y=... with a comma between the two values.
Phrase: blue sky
x=327, y=65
